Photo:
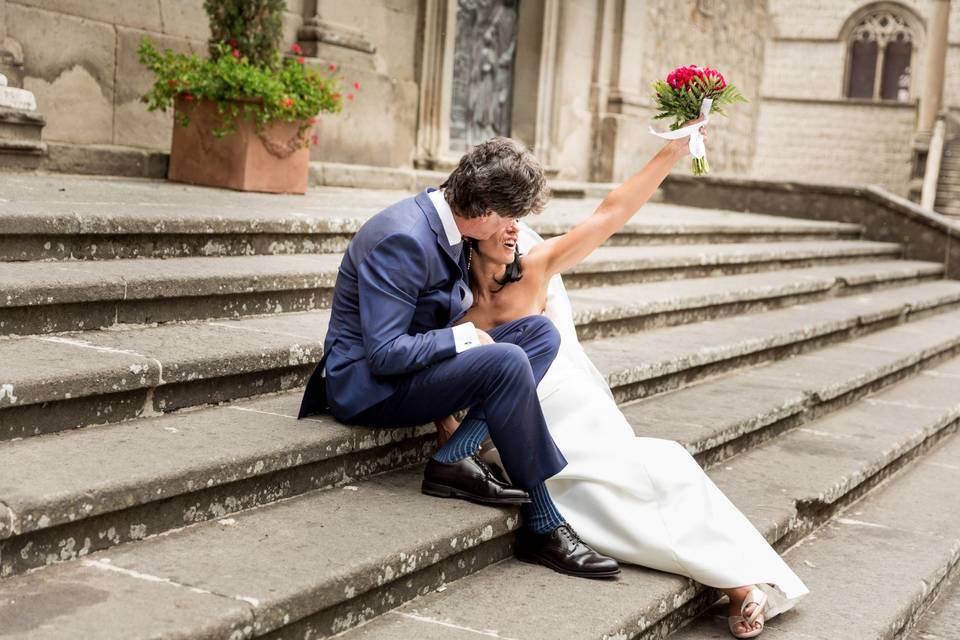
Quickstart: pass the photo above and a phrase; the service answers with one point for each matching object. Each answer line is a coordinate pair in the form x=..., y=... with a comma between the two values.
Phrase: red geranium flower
x=314, y=139
x=236, y=53
x=300, y=59
x=296, y=48
x=288, y=102
x=187, y=97
x=171, y=82
x=332, y=66
x=356, y=85
x=349, y=96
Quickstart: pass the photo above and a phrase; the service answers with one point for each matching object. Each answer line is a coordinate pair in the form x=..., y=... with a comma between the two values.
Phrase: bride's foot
x=746, y=614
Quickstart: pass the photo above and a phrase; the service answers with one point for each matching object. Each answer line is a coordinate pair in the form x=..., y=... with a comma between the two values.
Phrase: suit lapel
x=455, y=254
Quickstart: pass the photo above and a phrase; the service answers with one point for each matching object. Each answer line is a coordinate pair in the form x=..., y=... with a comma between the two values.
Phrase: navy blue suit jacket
x=399, y=289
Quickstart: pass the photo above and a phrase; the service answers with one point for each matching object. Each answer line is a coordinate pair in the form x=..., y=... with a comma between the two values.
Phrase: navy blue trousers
x=497, y=382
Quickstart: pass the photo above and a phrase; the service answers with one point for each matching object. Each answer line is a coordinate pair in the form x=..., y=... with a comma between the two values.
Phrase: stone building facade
x=570, y=78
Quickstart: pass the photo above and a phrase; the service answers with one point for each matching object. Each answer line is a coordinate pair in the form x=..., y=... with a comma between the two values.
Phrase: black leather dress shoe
x=470, y=479
x=562, y=550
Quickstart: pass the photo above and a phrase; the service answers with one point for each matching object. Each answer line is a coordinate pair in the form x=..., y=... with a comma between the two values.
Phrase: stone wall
x=835, y=142
x=785, y=55
x=731, y=37
x=81, y=63
x=380, y=126
x=804, y=115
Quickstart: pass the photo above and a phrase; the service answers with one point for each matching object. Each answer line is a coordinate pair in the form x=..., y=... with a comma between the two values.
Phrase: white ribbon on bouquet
x=697, y=147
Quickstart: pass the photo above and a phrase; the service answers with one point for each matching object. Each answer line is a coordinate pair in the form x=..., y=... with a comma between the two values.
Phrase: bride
x=640, y=500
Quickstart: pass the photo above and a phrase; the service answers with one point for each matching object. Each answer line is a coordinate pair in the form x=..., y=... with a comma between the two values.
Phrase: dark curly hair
x=499, y=175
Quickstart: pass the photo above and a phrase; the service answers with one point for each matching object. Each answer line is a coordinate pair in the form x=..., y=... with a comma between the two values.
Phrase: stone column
x=934, y=66
x=436, y=80
x=322, y=38
x=615, y=99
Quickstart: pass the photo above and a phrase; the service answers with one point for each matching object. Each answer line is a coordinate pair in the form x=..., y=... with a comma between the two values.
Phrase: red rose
x=236, y=53
x=296, y=48
x=187, y=97
x=300, y=59
x=356, y=85
x=332, y=67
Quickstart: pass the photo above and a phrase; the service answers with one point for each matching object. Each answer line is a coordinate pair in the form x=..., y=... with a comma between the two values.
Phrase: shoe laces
x=567, y=531
x=487, y=471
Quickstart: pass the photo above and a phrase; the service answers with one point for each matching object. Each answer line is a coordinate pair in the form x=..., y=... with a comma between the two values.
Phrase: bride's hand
x=681, y=146
x=445, y=428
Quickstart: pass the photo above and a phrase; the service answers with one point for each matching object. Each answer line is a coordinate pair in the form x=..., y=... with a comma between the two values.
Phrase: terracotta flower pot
x=273, y=160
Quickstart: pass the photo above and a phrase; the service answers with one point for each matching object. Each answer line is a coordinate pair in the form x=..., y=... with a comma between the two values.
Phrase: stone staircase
x=155, y=483
x=948, y=186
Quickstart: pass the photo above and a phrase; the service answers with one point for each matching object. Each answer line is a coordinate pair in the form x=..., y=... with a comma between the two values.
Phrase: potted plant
x=242, y=116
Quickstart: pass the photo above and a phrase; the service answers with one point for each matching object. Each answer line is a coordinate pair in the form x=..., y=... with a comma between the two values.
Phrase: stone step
x=321, y=563
x=617, y=265
x=71, y=296
x=61, y=216
x=785, y=488
x=89, y=489
x=65, y=381
x=881, y=563
x=615, y=310
x=942, y=619
x=643, y=364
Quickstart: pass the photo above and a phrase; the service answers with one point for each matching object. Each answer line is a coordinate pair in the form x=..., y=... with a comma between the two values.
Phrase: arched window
x=880, y=50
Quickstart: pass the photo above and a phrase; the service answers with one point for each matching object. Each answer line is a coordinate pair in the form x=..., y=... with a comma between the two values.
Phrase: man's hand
x=484, y=337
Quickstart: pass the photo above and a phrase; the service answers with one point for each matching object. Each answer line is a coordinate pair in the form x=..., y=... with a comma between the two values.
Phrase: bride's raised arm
x=558, y=254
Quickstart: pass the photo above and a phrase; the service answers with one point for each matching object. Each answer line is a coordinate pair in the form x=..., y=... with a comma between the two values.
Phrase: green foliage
x=291, y=91
x=254, y=27
x=684, y=104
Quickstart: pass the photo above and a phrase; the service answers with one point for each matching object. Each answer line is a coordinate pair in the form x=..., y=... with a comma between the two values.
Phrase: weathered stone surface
x=877, y=561
x=99, y=600
x=81, y=65
x=48, y=369
x=133, y=124
x=885, y=216
x=141, y=14
x=942, y=620
x=661, y=352
x=646, y=601
x=46, y=482
x=54, y=368
x=309, y=559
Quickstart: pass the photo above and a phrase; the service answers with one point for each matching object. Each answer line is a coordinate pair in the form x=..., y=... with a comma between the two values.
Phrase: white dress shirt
x=464, y=335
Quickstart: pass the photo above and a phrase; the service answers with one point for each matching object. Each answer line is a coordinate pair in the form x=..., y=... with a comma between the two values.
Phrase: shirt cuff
x=465, y=337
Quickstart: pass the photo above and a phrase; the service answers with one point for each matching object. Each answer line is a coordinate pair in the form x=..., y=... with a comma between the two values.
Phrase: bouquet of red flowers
x=688, y=93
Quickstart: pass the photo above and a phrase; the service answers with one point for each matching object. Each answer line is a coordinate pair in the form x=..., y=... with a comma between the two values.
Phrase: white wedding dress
x=644, y=501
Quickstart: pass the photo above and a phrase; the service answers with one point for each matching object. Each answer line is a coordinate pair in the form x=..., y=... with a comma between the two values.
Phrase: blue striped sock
x=465, y=440
x=541, y=515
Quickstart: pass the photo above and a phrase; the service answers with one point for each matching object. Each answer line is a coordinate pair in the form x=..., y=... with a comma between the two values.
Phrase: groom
x=392, y=357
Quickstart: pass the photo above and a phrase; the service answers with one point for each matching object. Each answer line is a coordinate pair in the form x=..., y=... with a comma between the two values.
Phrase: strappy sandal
x=757, y=597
